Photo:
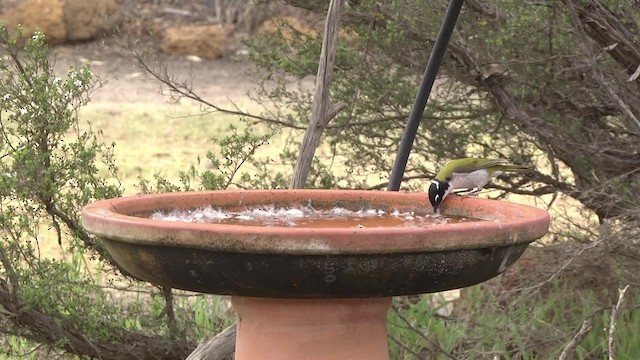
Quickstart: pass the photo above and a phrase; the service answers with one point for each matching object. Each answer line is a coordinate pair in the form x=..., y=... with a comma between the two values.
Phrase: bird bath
x=313, y=292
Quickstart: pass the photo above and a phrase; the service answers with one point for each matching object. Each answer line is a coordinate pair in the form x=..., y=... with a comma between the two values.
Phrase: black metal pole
x=439, y=48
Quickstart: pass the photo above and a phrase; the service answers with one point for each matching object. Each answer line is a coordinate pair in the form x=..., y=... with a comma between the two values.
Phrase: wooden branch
x=607, y=29
x=220, y=347
x=630, y=110
x=321, y=110
x=576, y=340
x=615, y=313
x=46, y=329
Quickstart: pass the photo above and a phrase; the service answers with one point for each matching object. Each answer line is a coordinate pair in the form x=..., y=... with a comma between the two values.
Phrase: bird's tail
x=513, y=168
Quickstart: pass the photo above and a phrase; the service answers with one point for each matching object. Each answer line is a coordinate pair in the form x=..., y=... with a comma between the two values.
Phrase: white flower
x=67, y=95
x=56, y=80
x=23, y=111
x=6, y=97
x=77, y=82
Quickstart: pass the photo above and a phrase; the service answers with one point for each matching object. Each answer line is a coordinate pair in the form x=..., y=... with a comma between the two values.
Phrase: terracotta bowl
x=328, y=262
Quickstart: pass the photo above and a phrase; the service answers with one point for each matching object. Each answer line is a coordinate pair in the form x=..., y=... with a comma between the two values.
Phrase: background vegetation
x=551, y=84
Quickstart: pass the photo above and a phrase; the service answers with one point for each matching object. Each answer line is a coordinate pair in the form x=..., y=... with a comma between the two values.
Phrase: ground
x=143, y=23
x=132, y=110
x=127, y=83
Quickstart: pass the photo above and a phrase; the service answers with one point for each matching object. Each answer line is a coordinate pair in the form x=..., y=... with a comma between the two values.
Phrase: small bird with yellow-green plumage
x=468, y=173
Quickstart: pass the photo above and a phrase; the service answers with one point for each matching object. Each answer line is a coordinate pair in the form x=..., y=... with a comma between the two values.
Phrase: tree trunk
x=321, y=110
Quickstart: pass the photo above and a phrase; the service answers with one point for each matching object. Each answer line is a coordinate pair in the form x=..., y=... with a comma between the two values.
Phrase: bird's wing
x=478, y=164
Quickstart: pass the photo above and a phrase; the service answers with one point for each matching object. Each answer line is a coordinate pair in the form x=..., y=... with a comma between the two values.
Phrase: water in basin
x=306, y=216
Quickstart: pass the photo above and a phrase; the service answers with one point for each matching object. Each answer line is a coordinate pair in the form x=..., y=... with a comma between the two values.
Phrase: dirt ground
x=144, y=21
x=125, y=82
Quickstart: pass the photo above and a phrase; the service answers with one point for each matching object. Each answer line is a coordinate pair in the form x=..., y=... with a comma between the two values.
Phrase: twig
x=417, y=331
x=615, y=313
x=185, y=91
x=576, y=340
x=560, y=269
x=405, y=347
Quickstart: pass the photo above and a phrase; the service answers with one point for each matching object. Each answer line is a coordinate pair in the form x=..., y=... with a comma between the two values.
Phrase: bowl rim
x=512, y=224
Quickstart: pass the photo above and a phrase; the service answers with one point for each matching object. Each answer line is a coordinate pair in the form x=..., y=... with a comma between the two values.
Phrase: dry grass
x=159, y=139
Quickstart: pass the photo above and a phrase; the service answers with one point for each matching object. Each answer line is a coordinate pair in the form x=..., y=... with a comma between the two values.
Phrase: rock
x=206, y=41
x=85, y=20
x=44, y=15
x=61, y=20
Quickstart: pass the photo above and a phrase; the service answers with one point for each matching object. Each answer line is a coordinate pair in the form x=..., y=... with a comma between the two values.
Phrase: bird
x=468, y=173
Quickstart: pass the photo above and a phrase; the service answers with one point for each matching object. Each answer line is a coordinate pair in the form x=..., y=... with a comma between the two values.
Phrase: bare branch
x=597, y=73
x=185, y=90
x=576, y=340
x=405, y=347
x=219, y=347
x=321, y=110
x=615, y=313
x=45, y=328
x=411, y=326
x=567, y=262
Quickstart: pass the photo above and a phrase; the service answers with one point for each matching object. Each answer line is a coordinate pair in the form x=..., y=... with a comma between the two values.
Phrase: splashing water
x=307, y=216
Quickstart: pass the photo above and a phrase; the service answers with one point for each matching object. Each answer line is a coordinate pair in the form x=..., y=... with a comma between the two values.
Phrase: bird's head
x=437, y=193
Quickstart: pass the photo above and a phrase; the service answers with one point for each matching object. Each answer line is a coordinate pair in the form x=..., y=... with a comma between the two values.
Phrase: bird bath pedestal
x=312, y=293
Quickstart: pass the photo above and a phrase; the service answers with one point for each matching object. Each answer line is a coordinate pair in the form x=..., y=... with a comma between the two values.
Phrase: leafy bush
x=486, y=324
x=56, y=282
